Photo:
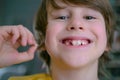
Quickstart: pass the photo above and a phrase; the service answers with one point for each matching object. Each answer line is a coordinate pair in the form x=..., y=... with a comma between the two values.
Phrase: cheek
x=100, y=33
x=100, y=30
x=52, y=32
x=54, y=27
x=102, y=38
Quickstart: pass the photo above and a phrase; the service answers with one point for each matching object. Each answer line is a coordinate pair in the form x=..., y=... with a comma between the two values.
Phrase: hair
x=103, y=6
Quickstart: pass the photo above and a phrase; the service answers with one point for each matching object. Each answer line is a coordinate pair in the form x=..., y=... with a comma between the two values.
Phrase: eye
x=89, y=17
x=63, y=17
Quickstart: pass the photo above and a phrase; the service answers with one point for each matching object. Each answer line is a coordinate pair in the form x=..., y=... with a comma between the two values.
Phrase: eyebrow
x=52, y=9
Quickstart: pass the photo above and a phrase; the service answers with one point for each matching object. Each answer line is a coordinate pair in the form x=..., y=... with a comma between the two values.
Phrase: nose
x=75, y=25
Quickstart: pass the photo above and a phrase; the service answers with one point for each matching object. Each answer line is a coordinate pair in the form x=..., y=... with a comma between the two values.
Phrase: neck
x=85, y=73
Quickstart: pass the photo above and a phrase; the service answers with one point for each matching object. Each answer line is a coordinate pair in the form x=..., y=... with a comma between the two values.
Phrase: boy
x=75, y=35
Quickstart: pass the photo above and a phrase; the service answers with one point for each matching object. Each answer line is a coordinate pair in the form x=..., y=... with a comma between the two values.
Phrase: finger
x=23, y=35
x=32, y=49
x=28, y=55
x=30, y=39
x=4, y=33
x=16, y=34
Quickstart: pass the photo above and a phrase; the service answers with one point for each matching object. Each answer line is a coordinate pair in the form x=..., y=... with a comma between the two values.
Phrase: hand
x=11, y=38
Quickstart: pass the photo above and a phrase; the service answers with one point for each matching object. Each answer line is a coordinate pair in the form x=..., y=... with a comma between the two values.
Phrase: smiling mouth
x=76, y=42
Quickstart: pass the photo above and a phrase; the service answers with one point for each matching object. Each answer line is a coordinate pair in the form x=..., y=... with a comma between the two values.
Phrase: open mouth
x=76, y=42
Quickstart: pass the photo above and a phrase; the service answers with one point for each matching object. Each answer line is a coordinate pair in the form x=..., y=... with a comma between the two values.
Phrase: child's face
x=75, y=36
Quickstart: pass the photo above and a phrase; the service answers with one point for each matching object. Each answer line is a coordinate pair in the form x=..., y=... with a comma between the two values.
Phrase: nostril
x=80, y=28
x=75, y=28
x=72, y=28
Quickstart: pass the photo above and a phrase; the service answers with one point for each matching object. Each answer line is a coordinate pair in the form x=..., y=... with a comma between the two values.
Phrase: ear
x=107, y=49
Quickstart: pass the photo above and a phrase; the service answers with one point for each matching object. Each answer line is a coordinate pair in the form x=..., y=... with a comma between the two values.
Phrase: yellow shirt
x=32, y=77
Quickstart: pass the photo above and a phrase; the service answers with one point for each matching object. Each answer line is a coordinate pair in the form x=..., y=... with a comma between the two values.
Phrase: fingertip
x=32, y=49
x=32, y=41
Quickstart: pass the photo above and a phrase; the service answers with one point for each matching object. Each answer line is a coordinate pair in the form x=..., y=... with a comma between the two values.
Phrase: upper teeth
x=76, y=42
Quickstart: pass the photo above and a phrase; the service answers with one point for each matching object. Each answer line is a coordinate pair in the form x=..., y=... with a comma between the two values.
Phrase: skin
x=12, y=37
x=75, y=62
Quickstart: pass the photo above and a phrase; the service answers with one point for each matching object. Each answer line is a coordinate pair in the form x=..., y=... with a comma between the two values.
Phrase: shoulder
x=32, y=77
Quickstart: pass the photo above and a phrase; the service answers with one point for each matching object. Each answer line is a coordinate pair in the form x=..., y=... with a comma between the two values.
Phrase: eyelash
x=63, y=17
x=89, y=17
x=67, y=17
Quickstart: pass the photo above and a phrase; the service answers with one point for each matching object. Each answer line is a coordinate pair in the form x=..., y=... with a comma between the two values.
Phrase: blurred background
x=14, y=12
